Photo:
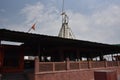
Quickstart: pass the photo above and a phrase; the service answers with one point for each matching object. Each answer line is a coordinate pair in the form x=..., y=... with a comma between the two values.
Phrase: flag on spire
x=33, y=27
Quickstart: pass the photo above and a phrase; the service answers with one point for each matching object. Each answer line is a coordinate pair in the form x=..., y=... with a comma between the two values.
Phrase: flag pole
x=29, y=30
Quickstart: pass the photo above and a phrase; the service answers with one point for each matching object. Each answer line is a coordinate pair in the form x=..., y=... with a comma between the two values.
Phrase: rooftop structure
x=65, y=31
x=65, y=55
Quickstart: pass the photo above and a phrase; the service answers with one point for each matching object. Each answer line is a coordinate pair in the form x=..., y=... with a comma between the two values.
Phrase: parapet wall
x=87, y=74
x=72, y=70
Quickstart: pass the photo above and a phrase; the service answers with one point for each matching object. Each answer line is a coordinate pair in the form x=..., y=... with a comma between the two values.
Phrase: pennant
x=33, y=27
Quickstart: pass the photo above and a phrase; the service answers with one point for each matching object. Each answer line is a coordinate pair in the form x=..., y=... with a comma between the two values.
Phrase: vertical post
x=0, y=76
x=117, y=60
x=79, y=64
x=67, y=64
x=78, y=54
x=21, y=59
x=61, y=54
x=0, y=61
x=118, y=63
x=89, y=64
x=101, y=57
x=112, y=57
x=53, y=66
x=38, y=54
x=36, y=64
x=105, y=62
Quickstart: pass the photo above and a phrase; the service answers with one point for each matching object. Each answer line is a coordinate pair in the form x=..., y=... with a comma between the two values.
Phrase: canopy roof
x=54, y=41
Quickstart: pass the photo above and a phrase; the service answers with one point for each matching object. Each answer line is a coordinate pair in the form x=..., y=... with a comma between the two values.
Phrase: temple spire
x=65, y=31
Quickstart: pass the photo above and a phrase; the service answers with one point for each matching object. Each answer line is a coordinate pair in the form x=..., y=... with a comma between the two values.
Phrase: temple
x=54, y=56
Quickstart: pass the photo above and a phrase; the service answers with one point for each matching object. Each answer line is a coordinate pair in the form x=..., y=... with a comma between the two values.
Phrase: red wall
x=72, y=75
x=1, y=58
x=4, y=69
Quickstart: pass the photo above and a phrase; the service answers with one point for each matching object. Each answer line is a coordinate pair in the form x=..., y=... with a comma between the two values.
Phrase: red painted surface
x=105, y=75
x=68, y=70
x=1, y=59
x=6, y=69
x=87, y=74
x=69, y=75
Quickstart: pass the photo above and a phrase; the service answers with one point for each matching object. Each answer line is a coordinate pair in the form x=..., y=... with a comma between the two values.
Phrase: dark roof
x=53, y=41
x=117, y=44
x=24, y=37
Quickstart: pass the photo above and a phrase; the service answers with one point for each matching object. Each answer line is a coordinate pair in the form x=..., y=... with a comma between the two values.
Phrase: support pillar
x=78, y=55
x=61, y=53
x=36, y=68
x=1, y=57
x=0, y=76
x=105, y=62
x=36, y=64
x=68, y=63
x=0, y=60
x=38, y=54
x=89, y=64
x=101, y=58
x=112, y=57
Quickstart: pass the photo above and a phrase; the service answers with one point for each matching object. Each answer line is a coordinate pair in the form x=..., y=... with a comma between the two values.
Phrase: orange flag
x=33, y=27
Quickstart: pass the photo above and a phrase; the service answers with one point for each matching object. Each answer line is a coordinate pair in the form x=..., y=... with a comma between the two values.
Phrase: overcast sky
x=91, y=20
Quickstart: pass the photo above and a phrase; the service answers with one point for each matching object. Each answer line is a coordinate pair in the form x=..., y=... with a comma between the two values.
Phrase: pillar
x=78, y=55
x=1, y=57
x=21, y=59
x=89, y=64
x=36, y=68
x=61, y=54
x=101, y=58
x=68, y=63
x=0, y=60
x=38, y=54
x=105, y=62
x=0, y=76
x=36, y=64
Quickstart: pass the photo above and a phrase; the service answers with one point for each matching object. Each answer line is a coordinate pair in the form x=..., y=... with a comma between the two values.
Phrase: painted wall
x=8, y=64
x=87, y=74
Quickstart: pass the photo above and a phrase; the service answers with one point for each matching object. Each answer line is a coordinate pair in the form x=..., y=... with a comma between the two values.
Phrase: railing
x=68, y=65
x=59, y=66
x=98, y=64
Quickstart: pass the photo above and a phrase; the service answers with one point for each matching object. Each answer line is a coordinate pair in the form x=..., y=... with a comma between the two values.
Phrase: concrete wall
x=87, y=74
